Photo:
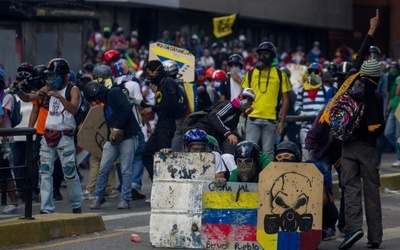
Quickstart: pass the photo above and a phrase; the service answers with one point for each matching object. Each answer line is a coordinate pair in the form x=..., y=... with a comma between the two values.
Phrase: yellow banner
x=223, y=25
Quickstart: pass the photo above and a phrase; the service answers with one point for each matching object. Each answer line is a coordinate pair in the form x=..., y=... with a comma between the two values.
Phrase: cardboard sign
x=184, y=59
x=229, y=219
x=176, y=198
x=93, y=133
x=290, y=206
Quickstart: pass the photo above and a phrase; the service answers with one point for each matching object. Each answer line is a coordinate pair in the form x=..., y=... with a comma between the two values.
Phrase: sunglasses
x=23, y=75
x=284, y=156
x=315, y=71
x=246, y=162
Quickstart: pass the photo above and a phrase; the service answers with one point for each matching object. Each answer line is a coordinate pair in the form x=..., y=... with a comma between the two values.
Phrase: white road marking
x=122, y=216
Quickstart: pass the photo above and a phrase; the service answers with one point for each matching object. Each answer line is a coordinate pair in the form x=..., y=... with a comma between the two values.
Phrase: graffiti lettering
x=210, y=245
x=173, y=48
x=211, y=187
x=247, y=246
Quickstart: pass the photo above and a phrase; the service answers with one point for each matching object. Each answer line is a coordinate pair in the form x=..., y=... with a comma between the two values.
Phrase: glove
x=219, y=182
x=116, y=136
x=307, y=154
x=14, y=87
x=166, y=150
x=6, y=149
x=241, y=127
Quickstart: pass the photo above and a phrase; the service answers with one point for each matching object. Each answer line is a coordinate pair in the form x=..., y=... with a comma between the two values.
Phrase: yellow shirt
x=267, y=92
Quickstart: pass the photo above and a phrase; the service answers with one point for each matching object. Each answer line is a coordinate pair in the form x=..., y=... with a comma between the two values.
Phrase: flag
x=223, y=25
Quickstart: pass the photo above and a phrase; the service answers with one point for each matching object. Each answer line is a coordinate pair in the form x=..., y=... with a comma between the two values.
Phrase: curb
x=390, y=181
x=44, y=227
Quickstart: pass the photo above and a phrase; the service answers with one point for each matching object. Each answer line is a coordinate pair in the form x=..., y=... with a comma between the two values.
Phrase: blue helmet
x=195, y=135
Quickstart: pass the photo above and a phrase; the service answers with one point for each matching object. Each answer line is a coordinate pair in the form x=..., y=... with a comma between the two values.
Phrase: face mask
x=244, y=105
x=314, y=80
x=216, y=84
x=246, y=174
x=235, y=69
x=55, y=84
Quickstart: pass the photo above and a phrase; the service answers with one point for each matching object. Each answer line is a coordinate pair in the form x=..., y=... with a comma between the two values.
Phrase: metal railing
x=27, y=189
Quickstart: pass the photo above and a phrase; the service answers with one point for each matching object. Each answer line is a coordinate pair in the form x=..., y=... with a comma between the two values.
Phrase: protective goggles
x=245, y=162
x=315, y=71
x=23, y=75
x=52, y=75
x=284, y=156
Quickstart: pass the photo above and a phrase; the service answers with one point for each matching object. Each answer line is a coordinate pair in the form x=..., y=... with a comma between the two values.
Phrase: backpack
x=181, y=105
x=192, y=119
x=84, y=105
x=16, y=114
x=345, y=117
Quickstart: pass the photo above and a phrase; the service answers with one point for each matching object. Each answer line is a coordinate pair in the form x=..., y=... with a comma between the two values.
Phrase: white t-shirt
x=59, y=118
x=134, y=92
x=219, y=162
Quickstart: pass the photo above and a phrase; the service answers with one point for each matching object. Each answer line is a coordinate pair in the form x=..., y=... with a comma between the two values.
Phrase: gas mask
x=155, y=76
x=247, y=169
x=54, y=81
x=314, y=79
x=244, y=105
x=265, y=57
x=289, y=210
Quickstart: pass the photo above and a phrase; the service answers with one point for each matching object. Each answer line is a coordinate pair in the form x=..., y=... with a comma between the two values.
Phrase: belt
x=64, y=132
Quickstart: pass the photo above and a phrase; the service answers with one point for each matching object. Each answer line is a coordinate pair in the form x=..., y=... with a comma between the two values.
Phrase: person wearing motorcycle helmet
x=272, y=89
x=231, y=86
x=311, y=98
x=341, y=73
x=58, y=137
x=217, y=78
x=122, y=139
x=166, y=125
x=103, y=75
x=250, y=161
x=204, y=101
x=288, y=151
x=195, y=140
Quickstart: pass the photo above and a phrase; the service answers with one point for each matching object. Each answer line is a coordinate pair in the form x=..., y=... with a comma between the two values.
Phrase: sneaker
x=350, y=239
x=77, y=210
x=373, y=245
x=329, y=234
x=45, y=212
x=137, y=194
x=341, y=232
x=123, y=204
x=147, y=201
x=97, y=203
x=112, y=194
x=10, y=209
x=396, y=164
x=87, y=195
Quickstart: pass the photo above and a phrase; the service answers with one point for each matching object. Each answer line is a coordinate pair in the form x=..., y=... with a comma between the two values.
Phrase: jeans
x=65, y=150
x=392, y=132
x=125, y=150
x=265, y=130
x=137, y=165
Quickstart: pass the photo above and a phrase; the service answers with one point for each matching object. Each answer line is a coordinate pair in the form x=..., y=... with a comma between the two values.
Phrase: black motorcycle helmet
x=38, y=74
x=102, y=71
x=247, y=149
x=91, y=90
x=24, y=71
x=288, y=147
x=59, y=66
x=235, y=58
x=267, y=46
x=332, y=68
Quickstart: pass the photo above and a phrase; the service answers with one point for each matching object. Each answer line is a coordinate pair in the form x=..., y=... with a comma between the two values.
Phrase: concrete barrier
x=45, y=227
